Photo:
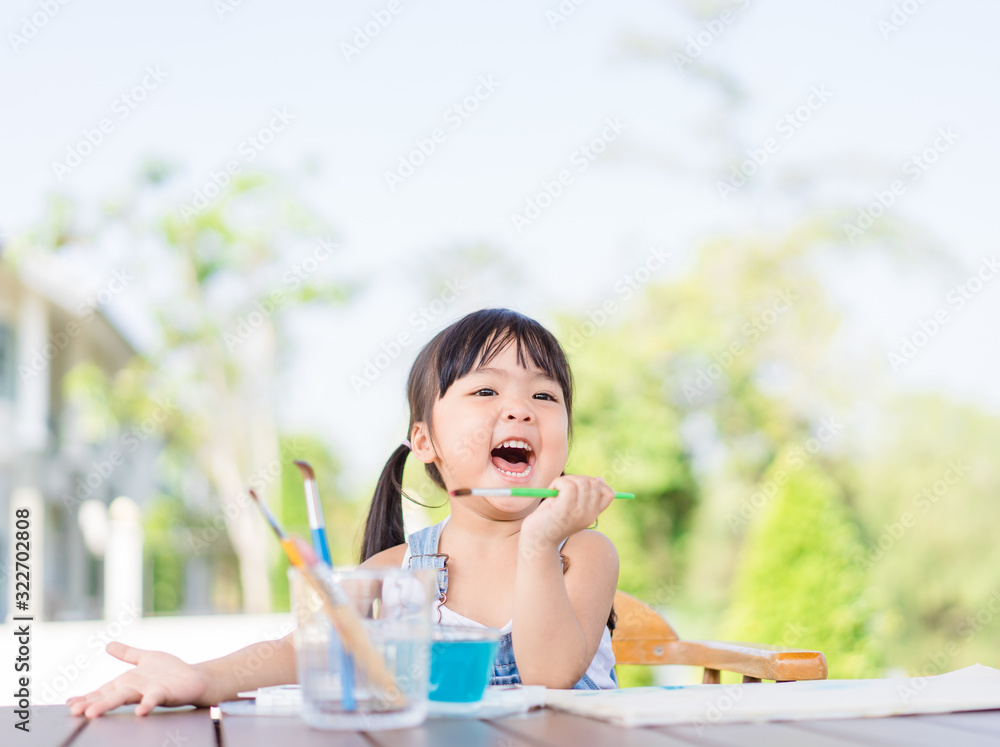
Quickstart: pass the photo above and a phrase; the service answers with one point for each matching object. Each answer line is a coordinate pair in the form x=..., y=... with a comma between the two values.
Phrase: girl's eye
x=544, y=394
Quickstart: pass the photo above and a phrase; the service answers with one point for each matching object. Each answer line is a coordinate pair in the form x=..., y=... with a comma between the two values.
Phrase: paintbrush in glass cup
x=337, y=606
x=317, y=525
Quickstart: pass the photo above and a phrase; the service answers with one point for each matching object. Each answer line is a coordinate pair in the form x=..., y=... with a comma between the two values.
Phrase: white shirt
x=600, y=667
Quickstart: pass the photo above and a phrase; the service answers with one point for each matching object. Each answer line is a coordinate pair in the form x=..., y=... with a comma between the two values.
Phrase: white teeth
x=514, y=444
x=514, y=474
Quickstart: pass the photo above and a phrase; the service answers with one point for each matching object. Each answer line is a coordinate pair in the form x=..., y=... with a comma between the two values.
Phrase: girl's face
x=502, y=403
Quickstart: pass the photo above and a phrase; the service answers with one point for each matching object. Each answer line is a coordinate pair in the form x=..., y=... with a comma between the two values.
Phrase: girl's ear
x=420, y=441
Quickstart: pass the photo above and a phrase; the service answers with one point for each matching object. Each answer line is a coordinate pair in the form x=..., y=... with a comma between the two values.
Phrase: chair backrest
x=640, y=632
x=642, y=636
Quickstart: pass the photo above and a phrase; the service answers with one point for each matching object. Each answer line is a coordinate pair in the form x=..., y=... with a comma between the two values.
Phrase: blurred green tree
x=221, y=283
x=343, y=517
x=797, y=581
x=925, y=487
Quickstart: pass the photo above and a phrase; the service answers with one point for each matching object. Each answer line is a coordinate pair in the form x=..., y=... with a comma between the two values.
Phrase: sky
x=428, y=125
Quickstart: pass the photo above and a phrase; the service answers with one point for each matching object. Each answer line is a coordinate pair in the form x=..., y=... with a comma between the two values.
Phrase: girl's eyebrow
x=503, y=374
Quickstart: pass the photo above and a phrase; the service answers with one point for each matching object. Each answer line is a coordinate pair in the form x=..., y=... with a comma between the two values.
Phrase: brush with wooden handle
x=337, y=606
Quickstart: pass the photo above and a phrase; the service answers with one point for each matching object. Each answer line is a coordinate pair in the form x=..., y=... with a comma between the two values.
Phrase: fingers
x=79, y=703
x=113, y=699
x=149, y=701
x=582, y=497
x=114, y=693
x=128, y=654
x=607, y=494
x=584, y=487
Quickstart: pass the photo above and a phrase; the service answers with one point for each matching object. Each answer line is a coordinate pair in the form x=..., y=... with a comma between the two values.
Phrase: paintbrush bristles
x=460, y=491
x=269, y=516
x=306, y=469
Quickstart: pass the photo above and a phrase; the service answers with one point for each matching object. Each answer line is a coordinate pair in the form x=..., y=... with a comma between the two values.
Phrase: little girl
x=490, y=406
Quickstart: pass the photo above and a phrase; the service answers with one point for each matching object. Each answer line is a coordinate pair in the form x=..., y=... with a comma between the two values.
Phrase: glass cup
x=461, y=662
x=341, y=690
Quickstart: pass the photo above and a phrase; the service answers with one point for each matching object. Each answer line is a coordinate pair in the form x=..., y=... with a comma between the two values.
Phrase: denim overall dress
x=423, y=553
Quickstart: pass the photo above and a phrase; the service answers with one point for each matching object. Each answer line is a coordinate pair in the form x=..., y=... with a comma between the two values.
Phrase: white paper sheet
x=971, y=689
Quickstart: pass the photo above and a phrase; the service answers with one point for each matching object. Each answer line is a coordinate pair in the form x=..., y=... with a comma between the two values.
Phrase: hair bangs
x=484, y=335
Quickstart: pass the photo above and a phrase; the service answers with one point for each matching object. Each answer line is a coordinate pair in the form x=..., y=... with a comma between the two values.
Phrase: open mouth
x=513, y=458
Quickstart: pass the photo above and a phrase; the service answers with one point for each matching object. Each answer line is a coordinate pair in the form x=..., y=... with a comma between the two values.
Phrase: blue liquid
x=460, y=670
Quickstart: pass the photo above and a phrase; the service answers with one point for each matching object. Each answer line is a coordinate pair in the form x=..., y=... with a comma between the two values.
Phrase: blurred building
x=48, y=324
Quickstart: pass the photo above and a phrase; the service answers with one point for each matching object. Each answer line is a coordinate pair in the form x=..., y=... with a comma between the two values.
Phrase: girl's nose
x=516, y=411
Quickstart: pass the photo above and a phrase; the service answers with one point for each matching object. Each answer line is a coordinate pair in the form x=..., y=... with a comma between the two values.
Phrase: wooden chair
x=642, y=636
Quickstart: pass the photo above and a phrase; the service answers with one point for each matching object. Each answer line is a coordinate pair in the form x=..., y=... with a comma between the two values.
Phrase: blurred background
x=761, y=230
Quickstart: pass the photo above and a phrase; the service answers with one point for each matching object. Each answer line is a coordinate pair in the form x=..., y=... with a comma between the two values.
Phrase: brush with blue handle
x=318, y=528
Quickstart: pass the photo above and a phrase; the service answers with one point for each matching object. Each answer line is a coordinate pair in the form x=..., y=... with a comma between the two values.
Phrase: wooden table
x=52, y=726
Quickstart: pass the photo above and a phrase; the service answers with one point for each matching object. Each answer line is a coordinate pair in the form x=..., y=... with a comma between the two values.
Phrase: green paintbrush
x=525, y=492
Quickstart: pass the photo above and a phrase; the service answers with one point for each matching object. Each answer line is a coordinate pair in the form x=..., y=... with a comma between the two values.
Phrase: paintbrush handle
x=548, y=493
x=351, y=630
x=320, y=544
x=337, y=605
x=288, y=545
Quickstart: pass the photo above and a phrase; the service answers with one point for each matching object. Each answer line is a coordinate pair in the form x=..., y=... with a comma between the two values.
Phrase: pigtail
x=384, y=525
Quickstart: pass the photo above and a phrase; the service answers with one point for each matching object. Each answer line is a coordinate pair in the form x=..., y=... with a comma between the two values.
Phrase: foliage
x=163, y=519
x=797, y=582
x=220, y=286
x=342, y=517
x=925, y=490
x=689, y=396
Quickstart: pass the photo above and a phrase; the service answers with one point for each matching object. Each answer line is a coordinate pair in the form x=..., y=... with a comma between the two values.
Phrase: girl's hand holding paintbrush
x=581, y=499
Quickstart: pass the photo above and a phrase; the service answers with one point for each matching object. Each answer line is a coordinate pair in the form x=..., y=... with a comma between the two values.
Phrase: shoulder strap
x=424, y=554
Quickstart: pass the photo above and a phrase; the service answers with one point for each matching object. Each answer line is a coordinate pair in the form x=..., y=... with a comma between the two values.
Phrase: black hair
x=449, y=356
